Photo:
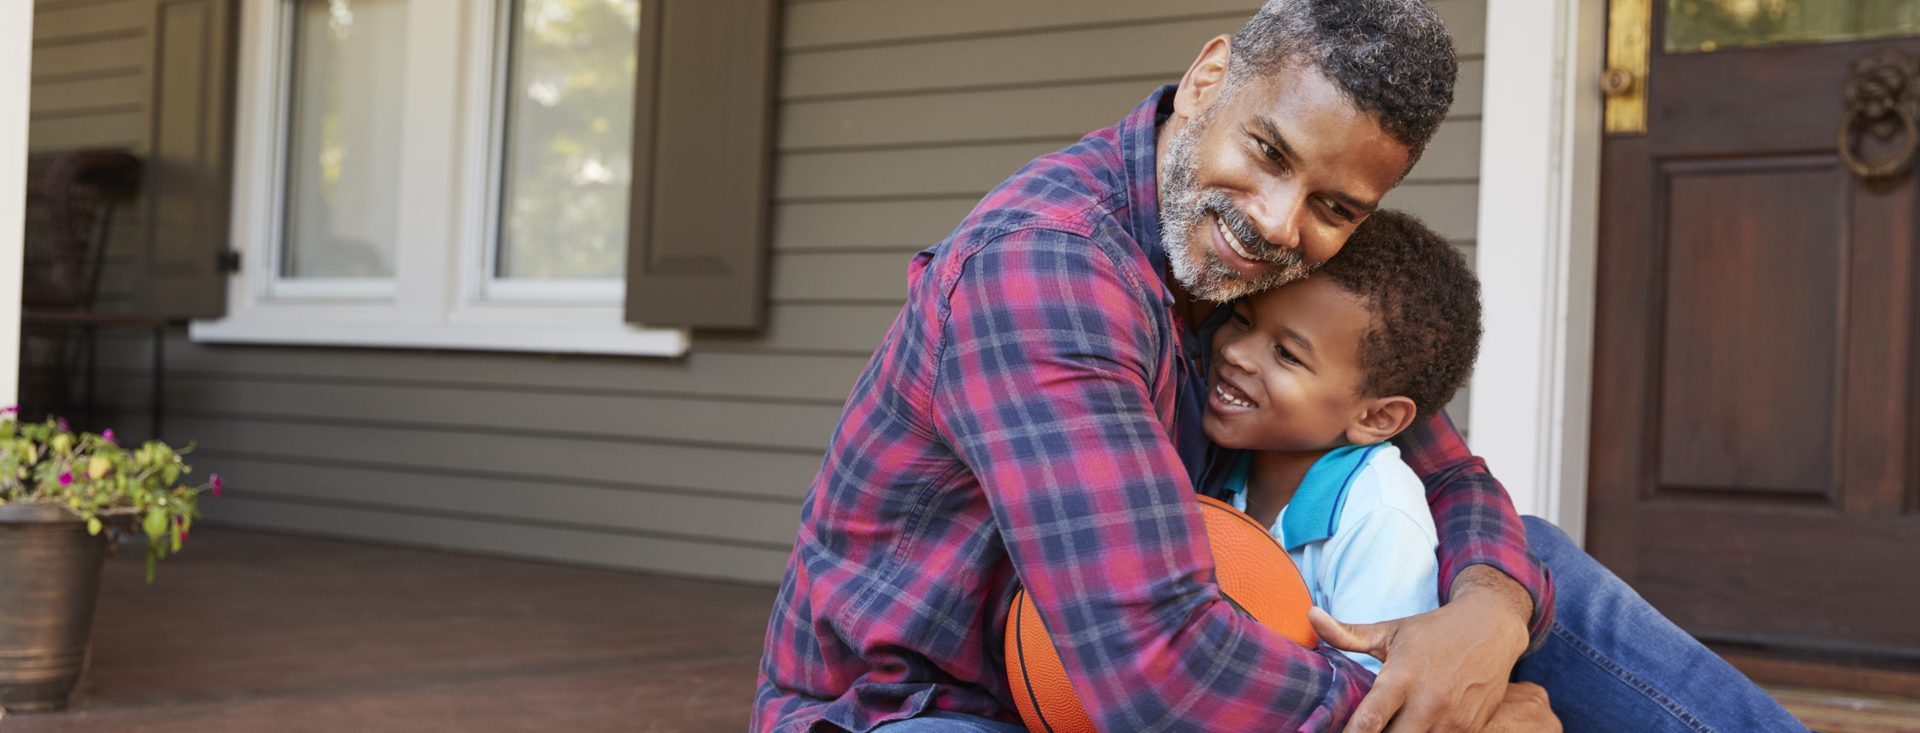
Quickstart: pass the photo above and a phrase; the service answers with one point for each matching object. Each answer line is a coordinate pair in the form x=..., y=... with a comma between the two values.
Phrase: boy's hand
x=1443, y=670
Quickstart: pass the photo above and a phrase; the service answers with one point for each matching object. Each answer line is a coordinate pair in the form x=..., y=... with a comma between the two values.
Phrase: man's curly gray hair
x=1392, y=58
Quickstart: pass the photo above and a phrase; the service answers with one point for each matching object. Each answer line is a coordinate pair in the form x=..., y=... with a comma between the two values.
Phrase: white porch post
x=1539, y=196
x=16, y=55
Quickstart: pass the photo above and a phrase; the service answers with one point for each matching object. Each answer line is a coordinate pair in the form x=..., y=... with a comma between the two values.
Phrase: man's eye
x=1272, y=153
x=1340, y=210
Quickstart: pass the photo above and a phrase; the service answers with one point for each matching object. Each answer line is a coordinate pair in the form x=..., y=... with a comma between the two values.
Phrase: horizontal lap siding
x=896, y=115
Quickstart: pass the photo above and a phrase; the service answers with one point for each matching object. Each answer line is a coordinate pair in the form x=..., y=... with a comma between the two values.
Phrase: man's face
x=1267, y=182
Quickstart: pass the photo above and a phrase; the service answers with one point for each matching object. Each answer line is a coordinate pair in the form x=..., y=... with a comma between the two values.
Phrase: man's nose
x=1278, y=220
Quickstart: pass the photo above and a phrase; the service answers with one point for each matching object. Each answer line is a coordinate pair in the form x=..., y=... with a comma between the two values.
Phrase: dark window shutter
x=703, y=134
x=187, y=178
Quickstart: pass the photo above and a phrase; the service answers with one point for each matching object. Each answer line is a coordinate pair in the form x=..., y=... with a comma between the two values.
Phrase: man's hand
x=1444, y=670
x=1525, y=710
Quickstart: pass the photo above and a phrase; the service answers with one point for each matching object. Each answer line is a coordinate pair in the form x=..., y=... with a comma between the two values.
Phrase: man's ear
x=1385, y=417
x=1204, y=80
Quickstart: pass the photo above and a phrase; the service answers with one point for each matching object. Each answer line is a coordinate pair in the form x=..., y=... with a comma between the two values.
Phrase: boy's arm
x=1476, y=521
x=1047, y=357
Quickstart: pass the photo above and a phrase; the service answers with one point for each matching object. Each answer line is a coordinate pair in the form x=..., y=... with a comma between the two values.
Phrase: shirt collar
x=1314, y=512
x=1139, y=146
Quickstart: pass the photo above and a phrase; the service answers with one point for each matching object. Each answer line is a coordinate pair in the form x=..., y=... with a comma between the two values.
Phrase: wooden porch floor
x=252, y=632
x=257, y=632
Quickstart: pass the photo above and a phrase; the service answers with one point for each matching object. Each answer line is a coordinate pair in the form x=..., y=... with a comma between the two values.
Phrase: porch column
x=16, y=57
x=1539, y=199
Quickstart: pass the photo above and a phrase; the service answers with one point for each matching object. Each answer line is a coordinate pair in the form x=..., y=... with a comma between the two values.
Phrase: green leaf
x=93, y=526
x=171, y=473
x=156, y=523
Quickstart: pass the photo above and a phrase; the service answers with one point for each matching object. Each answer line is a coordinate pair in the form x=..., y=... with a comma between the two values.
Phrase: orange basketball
x=1254, y=573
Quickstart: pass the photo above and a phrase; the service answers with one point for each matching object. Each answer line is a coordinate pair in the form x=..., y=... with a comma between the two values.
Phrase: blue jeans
x=943, y=722
x=1610, y=663
x=1613, y=663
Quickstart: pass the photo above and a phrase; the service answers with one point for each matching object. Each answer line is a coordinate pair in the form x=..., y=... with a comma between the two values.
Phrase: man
x=1033, y=412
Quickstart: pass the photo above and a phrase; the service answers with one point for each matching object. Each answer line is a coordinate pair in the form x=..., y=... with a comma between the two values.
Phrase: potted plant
x=65, y=497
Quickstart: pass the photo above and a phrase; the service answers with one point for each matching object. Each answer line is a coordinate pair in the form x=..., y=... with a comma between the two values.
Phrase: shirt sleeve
x=1379, y=567
x=1047, y=361
x=1475, y=519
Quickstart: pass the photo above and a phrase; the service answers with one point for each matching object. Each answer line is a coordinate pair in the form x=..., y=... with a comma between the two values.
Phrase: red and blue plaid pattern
x=1020, y=422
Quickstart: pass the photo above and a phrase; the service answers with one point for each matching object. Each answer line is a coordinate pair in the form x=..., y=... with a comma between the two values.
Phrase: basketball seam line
x=1020, y=648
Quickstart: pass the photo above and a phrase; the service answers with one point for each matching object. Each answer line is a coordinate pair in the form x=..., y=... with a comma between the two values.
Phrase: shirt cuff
x=1540, y=590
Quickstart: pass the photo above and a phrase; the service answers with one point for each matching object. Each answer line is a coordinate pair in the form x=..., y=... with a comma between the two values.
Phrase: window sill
x=523, y=336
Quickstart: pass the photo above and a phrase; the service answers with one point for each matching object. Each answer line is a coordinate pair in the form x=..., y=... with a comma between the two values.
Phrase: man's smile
x=1235, y=253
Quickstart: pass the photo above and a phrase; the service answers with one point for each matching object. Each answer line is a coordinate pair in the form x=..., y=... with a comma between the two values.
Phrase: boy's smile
x=1286, y=372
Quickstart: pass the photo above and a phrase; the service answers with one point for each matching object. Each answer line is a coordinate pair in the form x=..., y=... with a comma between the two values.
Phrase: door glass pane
x=1711, y=25
x=569, y=141
x=343, y=145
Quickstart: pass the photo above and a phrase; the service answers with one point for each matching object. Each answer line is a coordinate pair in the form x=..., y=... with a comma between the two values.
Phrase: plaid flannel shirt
x=1020, y=422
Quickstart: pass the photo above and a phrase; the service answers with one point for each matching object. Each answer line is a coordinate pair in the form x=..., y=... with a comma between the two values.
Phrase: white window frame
x=482, y=252
x=442, y=295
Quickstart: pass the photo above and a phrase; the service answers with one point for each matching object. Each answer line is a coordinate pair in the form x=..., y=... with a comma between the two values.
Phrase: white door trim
x=16, y=59
x=1539, y=206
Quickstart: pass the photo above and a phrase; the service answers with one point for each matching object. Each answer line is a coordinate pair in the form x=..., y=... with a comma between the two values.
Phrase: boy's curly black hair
x=1425, y=301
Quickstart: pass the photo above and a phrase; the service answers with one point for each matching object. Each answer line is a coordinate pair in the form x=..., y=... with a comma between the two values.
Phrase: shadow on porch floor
x=256, y=632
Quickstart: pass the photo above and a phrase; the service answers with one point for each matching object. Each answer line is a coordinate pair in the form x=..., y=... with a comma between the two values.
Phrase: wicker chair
x=71, y=200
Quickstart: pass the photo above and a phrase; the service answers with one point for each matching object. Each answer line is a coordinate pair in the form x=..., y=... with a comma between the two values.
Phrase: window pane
x=569, y=147
x=1711, y=25
x=343, y=150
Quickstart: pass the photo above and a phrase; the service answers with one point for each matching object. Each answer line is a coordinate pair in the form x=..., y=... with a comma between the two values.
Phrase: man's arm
x=1047, y=359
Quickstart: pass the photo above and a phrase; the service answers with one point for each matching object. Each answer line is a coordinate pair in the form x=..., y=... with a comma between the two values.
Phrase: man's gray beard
x=1183, y=209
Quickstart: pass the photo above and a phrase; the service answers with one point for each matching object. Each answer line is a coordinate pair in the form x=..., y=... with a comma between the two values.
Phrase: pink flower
x=9, y=409
x=66, y=478
x=215, y=483
x=107, y=435
x=61, y=423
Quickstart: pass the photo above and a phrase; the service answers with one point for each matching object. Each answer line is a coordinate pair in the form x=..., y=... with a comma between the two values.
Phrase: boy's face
x=1286, y=371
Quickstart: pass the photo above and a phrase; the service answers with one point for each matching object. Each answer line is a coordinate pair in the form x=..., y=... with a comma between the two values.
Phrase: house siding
x=895, y=117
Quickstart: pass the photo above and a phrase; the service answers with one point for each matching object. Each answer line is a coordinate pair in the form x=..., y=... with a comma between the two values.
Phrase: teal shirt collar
x=1314, y=512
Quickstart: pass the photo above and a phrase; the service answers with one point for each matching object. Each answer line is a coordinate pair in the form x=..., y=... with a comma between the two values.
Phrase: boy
x=1313, y=378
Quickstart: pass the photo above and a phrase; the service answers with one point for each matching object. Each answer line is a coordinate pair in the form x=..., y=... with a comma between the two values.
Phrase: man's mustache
x=1242, y=228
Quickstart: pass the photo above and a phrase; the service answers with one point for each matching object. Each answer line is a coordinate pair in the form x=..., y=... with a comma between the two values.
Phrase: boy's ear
x=1385, y=417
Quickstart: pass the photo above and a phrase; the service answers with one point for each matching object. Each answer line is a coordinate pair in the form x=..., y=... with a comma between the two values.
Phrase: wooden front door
x=1755, y=465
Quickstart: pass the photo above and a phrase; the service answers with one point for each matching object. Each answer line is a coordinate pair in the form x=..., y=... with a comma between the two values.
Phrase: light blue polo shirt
x=1360, y=532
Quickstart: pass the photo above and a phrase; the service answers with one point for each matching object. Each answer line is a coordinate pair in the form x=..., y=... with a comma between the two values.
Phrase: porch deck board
x=253, y=632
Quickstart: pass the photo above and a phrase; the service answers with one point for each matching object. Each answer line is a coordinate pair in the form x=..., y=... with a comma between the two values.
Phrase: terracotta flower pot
x=49, y=576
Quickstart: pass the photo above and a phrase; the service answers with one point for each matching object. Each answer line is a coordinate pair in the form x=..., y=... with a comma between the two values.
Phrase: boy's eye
x=1242, y=321
x=1285, y=356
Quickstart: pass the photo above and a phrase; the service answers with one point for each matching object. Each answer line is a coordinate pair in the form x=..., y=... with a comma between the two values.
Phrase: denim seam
x=1602, y=661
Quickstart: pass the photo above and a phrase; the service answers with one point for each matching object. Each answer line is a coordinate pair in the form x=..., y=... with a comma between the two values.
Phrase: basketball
x=1254, y=573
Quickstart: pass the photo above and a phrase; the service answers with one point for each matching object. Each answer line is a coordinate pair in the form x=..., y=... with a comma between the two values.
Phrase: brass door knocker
x=1880, y=100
